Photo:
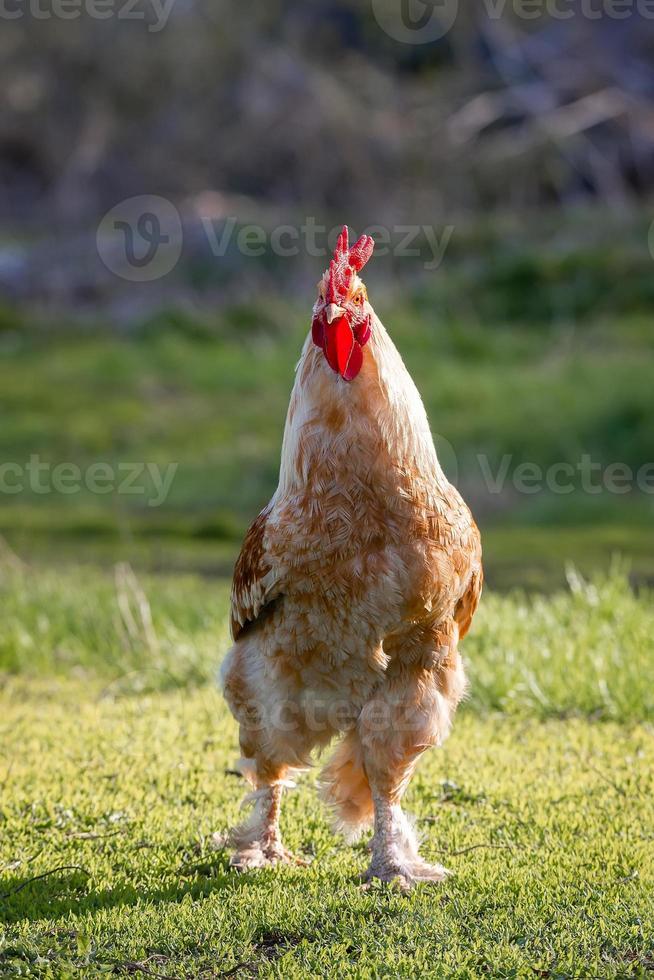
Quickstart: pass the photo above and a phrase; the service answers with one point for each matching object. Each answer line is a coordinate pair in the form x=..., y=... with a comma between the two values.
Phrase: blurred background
x=173, y=174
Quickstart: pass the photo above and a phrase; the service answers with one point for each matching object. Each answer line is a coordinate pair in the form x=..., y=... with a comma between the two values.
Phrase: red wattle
x=344, y=343
x=338, y=344
x=362, y=333
x=343, y=352
x=354, y=364
x=330, y=350
x=318, y=332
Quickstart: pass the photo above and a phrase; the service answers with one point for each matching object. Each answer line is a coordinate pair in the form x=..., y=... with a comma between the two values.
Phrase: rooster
x=351, y=592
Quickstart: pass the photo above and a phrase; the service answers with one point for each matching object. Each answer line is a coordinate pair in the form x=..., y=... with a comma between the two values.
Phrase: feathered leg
x=258, y=842
x=395, y=855
x=412, y=712
x=269, y=758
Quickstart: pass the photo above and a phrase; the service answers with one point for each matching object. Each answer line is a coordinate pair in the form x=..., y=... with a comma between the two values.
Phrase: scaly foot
x=264, y=854
x=405, y=874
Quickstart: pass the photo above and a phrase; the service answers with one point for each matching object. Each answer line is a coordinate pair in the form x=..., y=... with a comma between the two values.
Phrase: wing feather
x=467, y=605
x=254, y=584
x=465, y=552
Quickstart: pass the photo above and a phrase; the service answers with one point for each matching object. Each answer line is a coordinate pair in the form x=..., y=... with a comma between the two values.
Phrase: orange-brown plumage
x=350, y=595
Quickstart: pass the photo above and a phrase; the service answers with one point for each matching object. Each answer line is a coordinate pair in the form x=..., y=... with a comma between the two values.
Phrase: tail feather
x=345, y=787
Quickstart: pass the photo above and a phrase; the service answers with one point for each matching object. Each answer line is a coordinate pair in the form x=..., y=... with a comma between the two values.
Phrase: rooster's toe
x=404, y=876
x=264, y=855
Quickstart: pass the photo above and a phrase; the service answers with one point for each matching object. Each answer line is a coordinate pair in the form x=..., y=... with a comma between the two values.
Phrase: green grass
x=113, y=780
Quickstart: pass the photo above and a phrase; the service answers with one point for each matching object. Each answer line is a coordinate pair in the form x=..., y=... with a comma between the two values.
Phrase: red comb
x=346, y=262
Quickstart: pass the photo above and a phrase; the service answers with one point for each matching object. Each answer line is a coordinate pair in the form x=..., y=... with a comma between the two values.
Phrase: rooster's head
x=341, y=315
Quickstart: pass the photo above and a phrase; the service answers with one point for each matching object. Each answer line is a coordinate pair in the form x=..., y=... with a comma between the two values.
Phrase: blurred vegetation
x=314, y=105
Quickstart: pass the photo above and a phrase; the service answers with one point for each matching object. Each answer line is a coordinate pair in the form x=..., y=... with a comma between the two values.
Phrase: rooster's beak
x=332, y=311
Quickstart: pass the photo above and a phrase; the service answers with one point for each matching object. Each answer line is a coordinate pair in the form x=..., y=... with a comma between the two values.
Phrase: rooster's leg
x=258, y=841
x=417, y=708
x=394, y=847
